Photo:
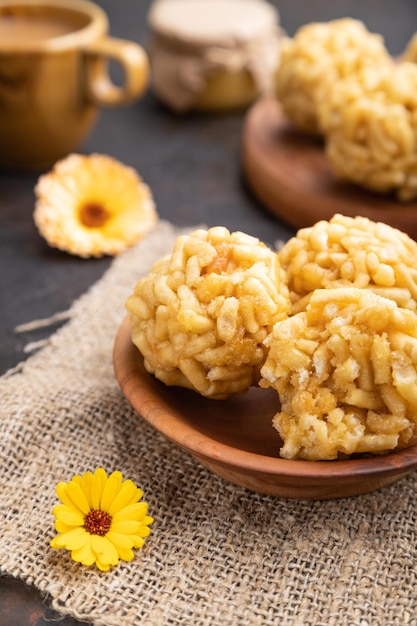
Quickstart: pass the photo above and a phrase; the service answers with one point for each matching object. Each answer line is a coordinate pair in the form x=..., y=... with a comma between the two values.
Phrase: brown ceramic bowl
x=234, y=438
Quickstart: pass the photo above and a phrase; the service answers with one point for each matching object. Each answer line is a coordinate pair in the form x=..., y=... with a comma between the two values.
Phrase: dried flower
x=93, y=205
x=100, y=519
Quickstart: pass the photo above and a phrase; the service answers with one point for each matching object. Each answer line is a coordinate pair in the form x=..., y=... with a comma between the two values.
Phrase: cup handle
x=133, y=60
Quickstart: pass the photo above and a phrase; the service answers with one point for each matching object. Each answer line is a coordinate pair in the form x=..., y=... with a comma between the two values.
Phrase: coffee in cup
x=54, y=76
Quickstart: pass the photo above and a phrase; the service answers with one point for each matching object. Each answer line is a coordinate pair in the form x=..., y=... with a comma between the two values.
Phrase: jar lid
x=212, y=22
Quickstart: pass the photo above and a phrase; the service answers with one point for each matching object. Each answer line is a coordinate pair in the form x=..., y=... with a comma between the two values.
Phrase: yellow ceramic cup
x=54, y=76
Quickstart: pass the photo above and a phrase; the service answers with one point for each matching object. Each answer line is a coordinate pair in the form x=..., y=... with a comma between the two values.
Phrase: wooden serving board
x=289, y=173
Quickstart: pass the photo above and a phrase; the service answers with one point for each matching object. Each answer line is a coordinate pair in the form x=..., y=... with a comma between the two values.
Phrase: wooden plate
x=234, y=438
x=288, y=171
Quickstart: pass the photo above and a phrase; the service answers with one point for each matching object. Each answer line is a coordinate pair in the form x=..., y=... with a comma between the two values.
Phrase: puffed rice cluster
x=202, y=314
x=370, y=123
x=410, y=52
x=337, y=79
x=345, y=370
x=329, y=322
x=319, y=55
x=344, y=363
x=351, y=252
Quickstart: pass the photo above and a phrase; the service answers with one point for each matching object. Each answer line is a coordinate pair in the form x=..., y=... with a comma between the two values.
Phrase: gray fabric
x=217, y=553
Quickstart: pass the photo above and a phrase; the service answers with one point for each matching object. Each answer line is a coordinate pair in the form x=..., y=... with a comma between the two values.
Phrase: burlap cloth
x=217, y=554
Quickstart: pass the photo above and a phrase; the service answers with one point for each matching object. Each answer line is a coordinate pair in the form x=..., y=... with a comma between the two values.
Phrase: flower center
x=97, y=522
x=93, y=215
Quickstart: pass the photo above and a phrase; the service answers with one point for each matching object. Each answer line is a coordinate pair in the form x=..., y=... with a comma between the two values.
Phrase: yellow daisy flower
x=100, y=519
x=93, y=205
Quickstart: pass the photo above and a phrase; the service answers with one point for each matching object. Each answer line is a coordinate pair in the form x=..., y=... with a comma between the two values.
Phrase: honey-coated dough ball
x=201, y=315
x=370, y=123
x=319, y=55
x=345, y=370
x=351, y=251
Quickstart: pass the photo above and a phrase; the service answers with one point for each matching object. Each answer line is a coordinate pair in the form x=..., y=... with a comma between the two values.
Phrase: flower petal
x=123, y=545
x=61, y=492
x=78, y=497
x=101, y=566
x=128, y=493
x=136, y=496
x=104, y=550
x=110, y=490
x=53, y=543
x=74, y=539
x=138, y=542
x=120, y=540
x=97, y=485
x=86, y=482
x=125, y=554
x=128, y=527
x=84, y=555
x=134, y=511
x=144, y=531
x=68, y=515
x=60, y=527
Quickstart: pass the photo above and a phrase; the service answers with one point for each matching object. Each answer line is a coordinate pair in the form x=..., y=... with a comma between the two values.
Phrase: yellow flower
x=100, y=519
x=93, y=205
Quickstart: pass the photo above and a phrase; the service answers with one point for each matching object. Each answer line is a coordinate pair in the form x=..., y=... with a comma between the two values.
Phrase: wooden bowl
x=234, y=438
x=288, y=172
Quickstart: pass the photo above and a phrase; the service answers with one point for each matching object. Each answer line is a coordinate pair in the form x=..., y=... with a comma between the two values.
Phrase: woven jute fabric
x=218, y=554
